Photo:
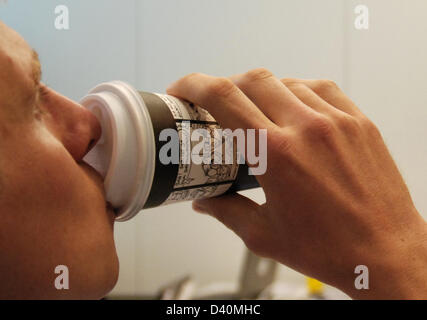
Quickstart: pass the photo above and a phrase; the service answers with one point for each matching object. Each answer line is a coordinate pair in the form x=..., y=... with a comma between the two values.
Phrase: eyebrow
x=36, y=67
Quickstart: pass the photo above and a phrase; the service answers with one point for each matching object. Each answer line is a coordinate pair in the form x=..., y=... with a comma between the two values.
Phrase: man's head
x=52, y=205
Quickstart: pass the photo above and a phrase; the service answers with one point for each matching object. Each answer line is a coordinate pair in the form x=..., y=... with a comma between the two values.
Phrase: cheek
x=45, y=175
x=63, y=191
x=55, y=214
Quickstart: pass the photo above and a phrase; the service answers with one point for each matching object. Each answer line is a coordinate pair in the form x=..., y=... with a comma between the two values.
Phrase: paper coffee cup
x=128, y=152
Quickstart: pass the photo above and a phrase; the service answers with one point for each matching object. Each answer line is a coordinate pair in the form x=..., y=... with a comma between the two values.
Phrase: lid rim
x=140, y=120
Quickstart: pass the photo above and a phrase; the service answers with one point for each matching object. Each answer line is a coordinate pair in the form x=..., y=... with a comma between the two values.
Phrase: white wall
x=386, y=73
x=153, y=42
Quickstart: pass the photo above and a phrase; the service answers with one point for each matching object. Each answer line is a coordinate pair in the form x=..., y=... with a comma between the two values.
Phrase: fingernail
x=198, y=206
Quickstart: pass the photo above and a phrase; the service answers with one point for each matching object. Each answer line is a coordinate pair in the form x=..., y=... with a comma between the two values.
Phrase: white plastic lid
x=125, y=154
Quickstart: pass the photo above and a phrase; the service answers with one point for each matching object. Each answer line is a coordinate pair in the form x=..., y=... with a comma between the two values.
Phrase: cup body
x=148, y=148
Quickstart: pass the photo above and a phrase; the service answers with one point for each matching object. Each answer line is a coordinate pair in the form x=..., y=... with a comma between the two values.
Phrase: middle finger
x=270, y=95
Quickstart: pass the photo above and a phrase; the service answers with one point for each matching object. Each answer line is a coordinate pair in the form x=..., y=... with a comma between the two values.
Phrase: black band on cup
x=243, y=181
x=164, y=175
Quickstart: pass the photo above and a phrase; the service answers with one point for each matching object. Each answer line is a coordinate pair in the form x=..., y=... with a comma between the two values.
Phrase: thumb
x=235, y=211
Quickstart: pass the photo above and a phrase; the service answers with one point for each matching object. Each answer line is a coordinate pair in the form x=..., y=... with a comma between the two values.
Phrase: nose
x=76, y=127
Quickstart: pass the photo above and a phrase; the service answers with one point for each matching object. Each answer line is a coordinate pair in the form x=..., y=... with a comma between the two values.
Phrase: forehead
x=19, y=71
x=16, y=56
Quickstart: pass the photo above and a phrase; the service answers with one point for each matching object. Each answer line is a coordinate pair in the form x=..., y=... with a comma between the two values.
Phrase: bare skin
x=52, y=206
x=334, y=196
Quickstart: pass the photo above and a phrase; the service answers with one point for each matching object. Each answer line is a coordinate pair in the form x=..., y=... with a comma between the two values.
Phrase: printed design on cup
x=195, y=181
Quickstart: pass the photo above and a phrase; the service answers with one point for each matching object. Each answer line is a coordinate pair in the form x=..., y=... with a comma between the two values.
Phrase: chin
x=85, y=285
x=99, y=285
x=112, y=278
x=105, y=279
x=107, y=285
x=96, y=269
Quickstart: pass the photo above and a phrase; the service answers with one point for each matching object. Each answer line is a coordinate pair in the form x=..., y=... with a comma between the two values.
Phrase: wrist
x=399, y=269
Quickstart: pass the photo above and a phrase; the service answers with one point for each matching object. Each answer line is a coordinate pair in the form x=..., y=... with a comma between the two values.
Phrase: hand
x=334, y=197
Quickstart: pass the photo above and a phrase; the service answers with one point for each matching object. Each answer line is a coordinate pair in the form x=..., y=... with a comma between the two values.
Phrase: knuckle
x=255, y=75
x=280, y=144
x=221, y=87
x=369, y=127
x=347, y=124
x=253, y=241
x=192, y=76
x=319, y=126
x=288, y=80
x=323, y=86
x=296, y=86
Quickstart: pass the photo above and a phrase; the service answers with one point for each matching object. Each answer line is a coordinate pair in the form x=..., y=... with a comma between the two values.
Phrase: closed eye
x=44, y=90
x=42, y=97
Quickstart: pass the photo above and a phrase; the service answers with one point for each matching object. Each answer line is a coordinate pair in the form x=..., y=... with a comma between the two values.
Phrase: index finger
x=221, y=98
